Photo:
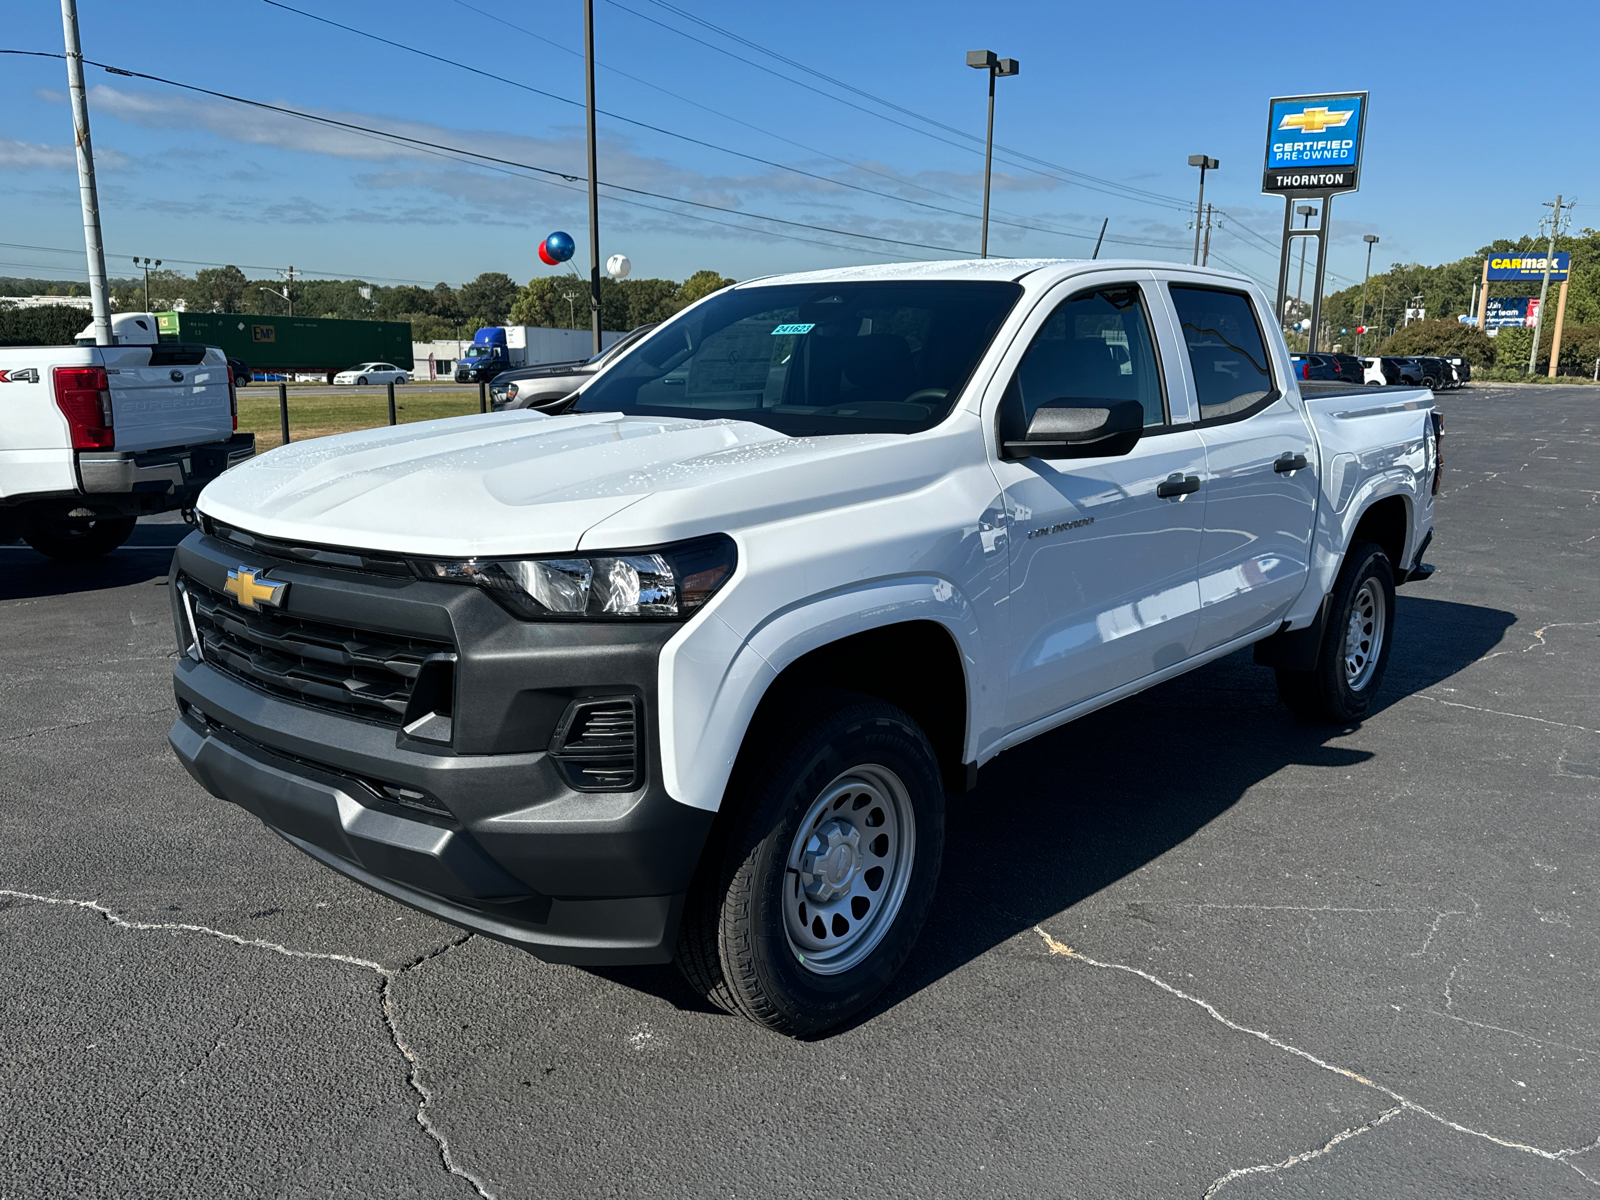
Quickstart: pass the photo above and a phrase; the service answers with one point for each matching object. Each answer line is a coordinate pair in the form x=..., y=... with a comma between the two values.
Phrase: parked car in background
x=366, y=373
x=241, y=373
x=1380, y=371
x=1333, y=368
x=531, y=387
x=1436, y=373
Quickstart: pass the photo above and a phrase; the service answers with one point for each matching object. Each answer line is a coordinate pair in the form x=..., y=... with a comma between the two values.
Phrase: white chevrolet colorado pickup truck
x=686, y=670
x=94, y=437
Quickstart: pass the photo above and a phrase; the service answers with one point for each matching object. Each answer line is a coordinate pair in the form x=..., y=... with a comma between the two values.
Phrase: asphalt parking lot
x=1184, y=947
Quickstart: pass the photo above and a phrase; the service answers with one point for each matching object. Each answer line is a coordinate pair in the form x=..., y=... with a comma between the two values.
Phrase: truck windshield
x=480, y=352
x=887, y=357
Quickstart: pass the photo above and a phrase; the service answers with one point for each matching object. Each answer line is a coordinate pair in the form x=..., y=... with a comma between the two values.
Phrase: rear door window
x=1232, y=376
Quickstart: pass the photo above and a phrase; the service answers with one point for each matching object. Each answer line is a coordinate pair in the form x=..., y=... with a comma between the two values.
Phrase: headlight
x=666, y=582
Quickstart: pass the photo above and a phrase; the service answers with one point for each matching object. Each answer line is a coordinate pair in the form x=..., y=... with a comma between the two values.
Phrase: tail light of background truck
x=83, y=394
x=233, y=399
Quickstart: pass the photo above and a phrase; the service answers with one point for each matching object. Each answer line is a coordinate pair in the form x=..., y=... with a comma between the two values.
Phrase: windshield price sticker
x=783, y=330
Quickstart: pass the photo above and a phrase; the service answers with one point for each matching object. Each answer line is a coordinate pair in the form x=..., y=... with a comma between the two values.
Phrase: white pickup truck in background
x=94, y=437
x=683, y=668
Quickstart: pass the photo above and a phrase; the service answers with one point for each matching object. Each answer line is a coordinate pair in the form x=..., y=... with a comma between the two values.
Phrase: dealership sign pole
x=1313, y=151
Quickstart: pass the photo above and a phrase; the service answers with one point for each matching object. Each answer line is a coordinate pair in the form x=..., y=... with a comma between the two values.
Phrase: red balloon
x=544, y=256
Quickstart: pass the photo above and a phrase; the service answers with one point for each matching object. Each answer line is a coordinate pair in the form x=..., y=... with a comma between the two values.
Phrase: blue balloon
x=560, y=245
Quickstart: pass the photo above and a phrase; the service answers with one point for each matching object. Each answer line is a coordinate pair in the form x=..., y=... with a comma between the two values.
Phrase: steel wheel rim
x=848, y=868
x=1363, y=636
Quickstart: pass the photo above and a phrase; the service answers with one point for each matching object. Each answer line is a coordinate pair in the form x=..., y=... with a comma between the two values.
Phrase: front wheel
x=815, y=886
x=362, y=382
x=80, y=540
x=1355, y=645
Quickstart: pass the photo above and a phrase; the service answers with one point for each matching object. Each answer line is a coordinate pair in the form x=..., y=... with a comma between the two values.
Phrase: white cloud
x=21, y=156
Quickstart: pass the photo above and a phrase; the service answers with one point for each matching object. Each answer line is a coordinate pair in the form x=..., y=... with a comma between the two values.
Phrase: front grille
x=355, y=672
x=371, y=562
x=596, y=745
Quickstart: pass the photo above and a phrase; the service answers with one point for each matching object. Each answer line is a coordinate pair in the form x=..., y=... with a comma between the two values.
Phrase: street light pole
x=1205, y=164
x=985, y=60
x=594, y=180
x=1371, y=239
x=145, y=263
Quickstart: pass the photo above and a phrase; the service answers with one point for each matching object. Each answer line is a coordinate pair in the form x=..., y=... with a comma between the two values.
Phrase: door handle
x=1289, y=462
x=1177, y=484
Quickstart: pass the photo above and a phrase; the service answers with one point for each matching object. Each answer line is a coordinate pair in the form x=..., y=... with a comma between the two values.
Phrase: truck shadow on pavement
x=1066, y=815
x=25, y=574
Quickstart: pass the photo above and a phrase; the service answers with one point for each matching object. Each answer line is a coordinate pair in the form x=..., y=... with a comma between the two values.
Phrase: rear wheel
x=79, y=540
x=1355, y=645
x=814, y=889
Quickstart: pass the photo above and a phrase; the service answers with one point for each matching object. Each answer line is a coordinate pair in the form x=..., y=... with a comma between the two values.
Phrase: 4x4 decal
x=20, y=375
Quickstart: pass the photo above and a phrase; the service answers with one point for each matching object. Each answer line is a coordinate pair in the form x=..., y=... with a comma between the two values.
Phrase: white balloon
x=618, y=266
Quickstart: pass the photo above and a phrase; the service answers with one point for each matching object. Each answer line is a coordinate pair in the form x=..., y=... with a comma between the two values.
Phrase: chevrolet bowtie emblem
x=1315, y=120
x=244, y=587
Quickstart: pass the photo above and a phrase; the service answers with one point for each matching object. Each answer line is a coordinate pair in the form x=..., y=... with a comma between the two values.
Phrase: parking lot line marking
x=1563, y=1157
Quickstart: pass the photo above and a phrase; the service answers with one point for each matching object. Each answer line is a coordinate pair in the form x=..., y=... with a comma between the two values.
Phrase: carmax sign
x=1314, y=144
x=1529, y=266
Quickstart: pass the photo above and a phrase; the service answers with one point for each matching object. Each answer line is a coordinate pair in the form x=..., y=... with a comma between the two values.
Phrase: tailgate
x=169, y=394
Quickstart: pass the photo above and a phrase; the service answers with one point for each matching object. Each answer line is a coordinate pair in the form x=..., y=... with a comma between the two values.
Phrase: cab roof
x=1003, y=269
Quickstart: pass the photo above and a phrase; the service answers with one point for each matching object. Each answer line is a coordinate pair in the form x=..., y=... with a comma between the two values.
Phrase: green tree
x=221, y=288
x=700, y=285
x=487, y=299
x=1445, y=338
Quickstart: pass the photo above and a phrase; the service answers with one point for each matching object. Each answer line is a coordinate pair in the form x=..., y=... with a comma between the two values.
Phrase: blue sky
x=1459, y=149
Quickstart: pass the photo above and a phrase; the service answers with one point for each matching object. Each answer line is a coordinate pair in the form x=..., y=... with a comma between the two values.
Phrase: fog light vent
x=596, y=744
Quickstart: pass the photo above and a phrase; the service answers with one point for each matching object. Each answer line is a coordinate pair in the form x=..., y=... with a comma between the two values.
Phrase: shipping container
x=319, y=344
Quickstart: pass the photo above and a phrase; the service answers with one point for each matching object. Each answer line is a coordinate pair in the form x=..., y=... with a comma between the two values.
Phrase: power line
x=766, y=162
x=399, y=138
x=1080, y=178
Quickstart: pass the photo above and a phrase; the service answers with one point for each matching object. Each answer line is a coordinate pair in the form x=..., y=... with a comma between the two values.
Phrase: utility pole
x=1371, y=239
x=99, y=299
x=1205, y=164
x=1205, y=251
x=985, y=60
x=1307, y=212
x=594, y=178
x=1544, y=291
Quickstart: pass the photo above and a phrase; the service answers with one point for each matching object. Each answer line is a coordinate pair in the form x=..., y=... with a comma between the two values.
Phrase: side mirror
x=1080, y=429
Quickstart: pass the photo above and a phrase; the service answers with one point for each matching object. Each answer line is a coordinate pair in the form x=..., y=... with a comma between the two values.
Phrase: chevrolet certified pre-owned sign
x=1314, y=143
x=1529, y=266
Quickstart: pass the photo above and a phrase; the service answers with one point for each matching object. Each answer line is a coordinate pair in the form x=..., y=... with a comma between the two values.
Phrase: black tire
x=734, y=946
x=81, y=540
x=1333, y=692
x=362, y=381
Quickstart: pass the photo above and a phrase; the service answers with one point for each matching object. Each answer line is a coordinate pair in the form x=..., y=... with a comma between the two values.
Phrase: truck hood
x=521, y=482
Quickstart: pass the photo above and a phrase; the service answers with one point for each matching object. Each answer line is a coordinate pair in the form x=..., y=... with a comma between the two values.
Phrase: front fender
x=711, y=680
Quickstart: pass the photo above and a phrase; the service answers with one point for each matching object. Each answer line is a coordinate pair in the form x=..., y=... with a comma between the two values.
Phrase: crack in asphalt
x=1557, y=1156
x=1305, y=1155
x=22, y=737
x=1498, y=713
x=388, y=975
